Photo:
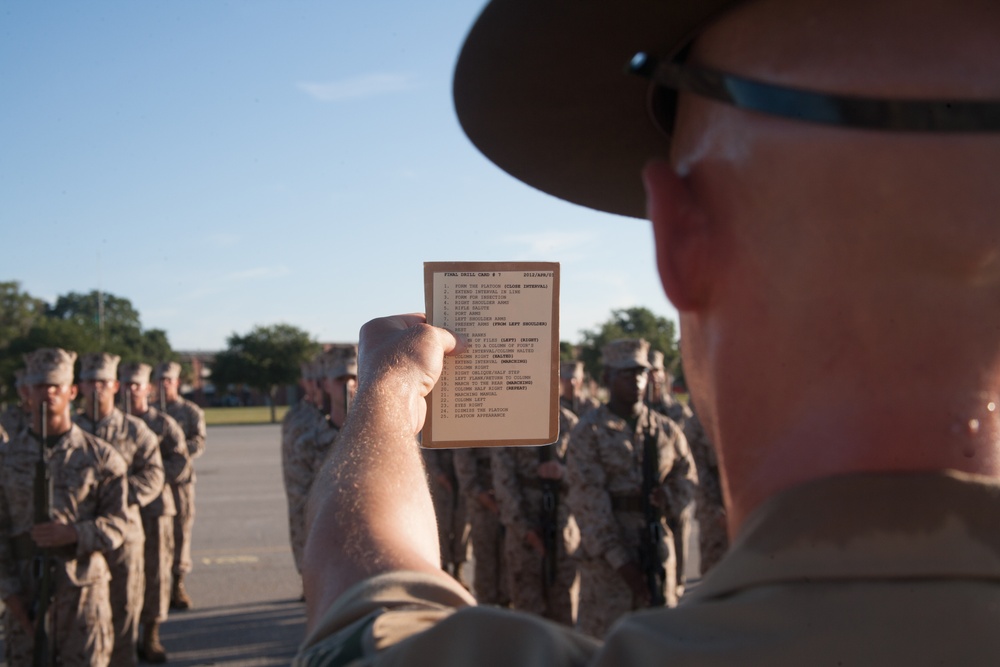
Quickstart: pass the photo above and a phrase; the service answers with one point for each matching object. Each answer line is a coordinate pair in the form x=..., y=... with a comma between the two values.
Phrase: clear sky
x=227, y=164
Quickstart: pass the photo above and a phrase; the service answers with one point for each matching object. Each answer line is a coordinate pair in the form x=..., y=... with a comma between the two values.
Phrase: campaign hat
x=541, y=89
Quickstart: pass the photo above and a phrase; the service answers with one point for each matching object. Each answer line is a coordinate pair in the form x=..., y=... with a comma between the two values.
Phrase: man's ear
x=681, y=236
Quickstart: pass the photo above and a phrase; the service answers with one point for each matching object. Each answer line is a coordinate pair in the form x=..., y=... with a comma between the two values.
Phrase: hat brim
x=541, y=89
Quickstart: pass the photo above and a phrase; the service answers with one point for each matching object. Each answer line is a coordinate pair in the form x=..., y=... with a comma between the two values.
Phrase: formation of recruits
x=581, y=531
x=120, y=496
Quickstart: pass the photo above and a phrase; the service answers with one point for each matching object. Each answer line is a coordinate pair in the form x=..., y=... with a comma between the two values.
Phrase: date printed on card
x=503, y=390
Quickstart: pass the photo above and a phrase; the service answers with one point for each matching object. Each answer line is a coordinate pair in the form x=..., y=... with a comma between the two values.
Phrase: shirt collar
x=866, y=526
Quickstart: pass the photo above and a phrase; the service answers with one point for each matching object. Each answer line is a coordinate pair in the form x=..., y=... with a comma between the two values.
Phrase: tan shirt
x=874, y=569
x=89, y=491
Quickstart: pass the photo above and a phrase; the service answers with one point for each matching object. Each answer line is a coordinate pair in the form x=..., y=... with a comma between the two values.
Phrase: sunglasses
x=668, y=77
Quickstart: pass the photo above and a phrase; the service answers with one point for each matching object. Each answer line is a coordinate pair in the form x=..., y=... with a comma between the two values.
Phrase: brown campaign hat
x=49, y=365
x=541, y=89
x=99, y=366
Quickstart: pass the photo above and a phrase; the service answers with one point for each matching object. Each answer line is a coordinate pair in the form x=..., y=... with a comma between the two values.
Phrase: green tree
x=635, y=322
x=72, y=324
x=265, y=359
x=109, y=317
x=18, y=312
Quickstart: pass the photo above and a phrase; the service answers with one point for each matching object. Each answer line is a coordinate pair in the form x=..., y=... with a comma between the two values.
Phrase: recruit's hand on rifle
x=442, y=480
x=534, y=540
x=551, y=470
x=54, y=534
x=19, y=611
x=486, y=499
x=659, y=499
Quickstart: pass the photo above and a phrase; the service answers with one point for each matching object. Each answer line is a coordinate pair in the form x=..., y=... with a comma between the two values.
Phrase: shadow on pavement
x=257, y=634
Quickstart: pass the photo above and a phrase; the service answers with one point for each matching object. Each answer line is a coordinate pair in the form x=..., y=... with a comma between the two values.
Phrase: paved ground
x=244, y=585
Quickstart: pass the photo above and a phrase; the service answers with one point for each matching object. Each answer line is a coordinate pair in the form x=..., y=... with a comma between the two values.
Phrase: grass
x=258, y=414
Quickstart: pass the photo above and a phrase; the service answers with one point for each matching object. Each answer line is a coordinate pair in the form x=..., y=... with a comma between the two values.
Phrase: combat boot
x=151, y=650
x=178, y=596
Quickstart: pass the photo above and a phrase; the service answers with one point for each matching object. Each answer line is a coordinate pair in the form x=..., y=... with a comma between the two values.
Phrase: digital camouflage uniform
x=710, y=509
x=472, y=467
x=17, y=416
x=192, y=421
x=667, y=405
x=140, y=449
x=541, y=585
x=14, y=418
x=449, y=508
x=158, y=516
x=605, y=478
x=580, y=405
x=304, y=460
x=673, y=409
x=89, y=491
x=302, y=419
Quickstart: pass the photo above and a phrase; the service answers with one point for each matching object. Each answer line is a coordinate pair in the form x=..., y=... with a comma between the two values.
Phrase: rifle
x=651, y=534
x=43, y=567
x=549, y=520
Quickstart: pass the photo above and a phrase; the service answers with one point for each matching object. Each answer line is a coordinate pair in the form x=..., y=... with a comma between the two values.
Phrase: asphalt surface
x=244, y=584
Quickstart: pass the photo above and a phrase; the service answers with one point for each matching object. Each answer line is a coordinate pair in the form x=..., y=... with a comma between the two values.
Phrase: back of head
x=836, y=271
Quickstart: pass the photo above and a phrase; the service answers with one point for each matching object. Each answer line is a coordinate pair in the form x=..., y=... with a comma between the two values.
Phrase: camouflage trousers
x=183, y=525
x=713, y=541
x=527, y=581
x=81, y=629
x=159, y=556
x=128, y=583
x=486, y=536
x=605, y=597
x=453, y=529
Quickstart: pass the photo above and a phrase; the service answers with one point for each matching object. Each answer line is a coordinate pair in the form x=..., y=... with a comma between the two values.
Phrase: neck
x=856, y=435
x=55, y=424
x=625, y=410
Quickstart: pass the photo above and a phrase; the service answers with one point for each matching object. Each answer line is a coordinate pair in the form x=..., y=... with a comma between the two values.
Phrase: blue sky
x=227, y=164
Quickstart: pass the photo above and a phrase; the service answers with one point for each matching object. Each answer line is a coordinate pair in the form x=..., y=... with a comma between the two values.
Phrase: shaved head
x=853, y=273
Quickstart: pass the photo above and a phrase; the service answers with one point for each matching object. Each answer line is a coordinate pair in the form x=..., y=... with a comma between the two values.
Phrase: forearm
x=370, y=510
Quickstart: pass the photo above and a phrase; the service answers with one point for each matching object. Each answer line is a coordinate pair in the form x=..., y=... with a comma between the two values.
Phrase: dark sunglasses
x=901, y=115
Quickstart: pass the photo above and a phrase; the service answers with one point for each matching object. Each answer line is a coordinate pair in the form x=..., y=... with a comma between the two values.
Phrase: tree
x=635, y=322
x=18, y=312
x=72, y=323
x=110, y=317
x=265, y=359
